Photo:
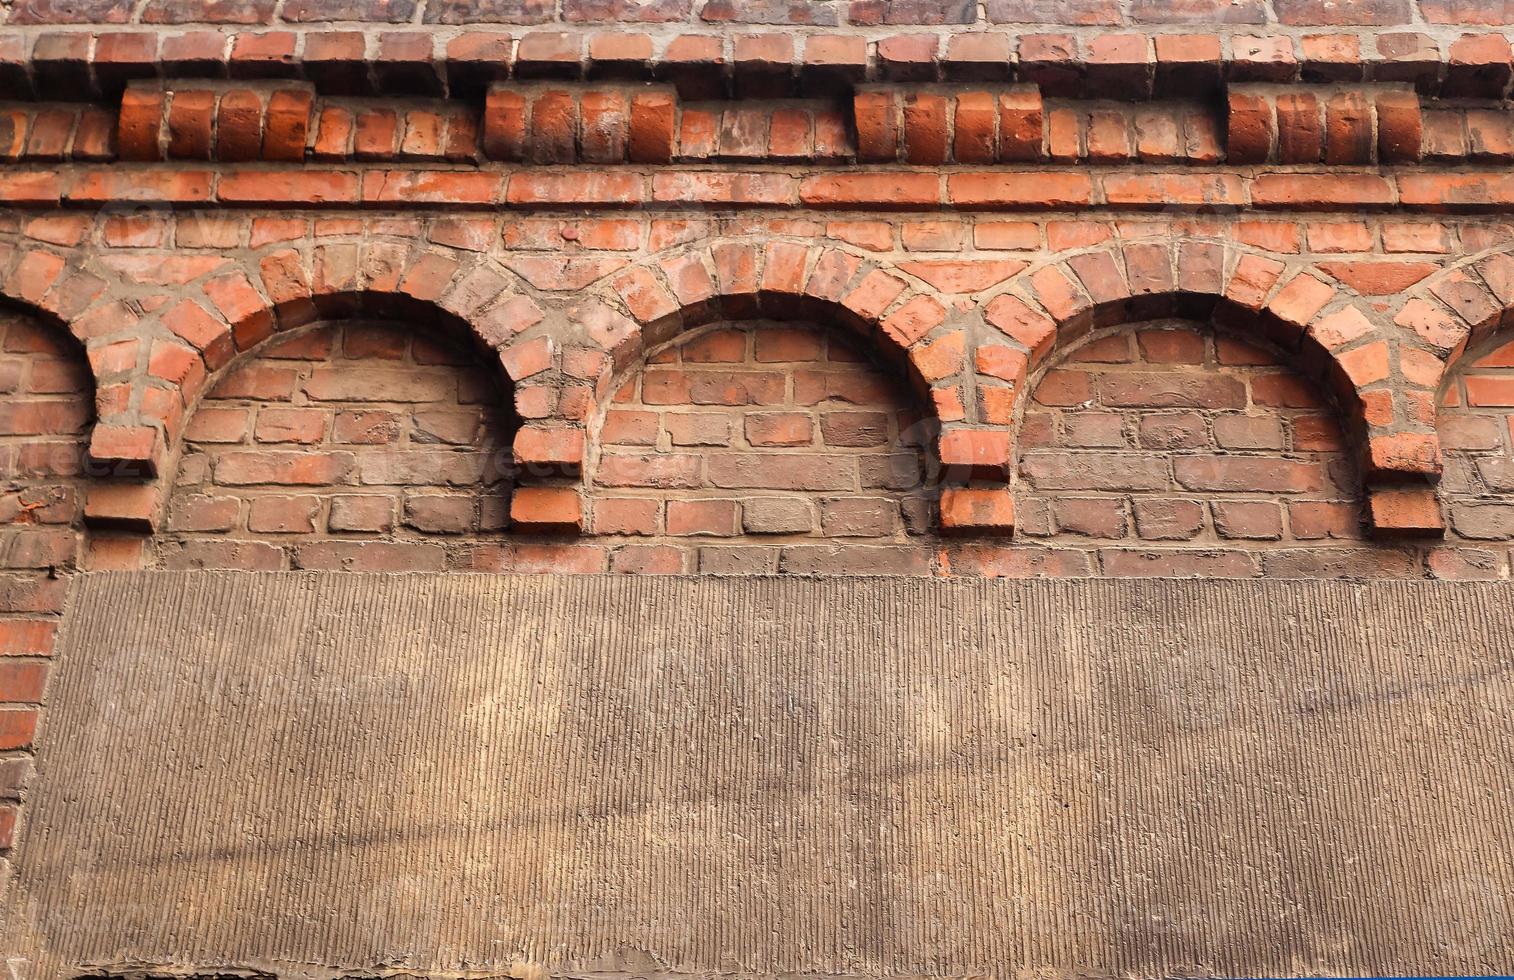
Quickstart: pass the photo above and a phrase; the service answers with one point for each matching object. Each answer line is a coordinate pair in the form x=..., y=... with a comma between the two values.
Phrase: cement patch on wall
x=315, y=774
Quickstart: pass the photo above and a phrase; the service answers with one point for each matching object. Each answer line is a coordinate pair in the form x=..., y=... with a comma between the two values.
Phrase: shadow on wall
x=45, y=417
x=1476, y=425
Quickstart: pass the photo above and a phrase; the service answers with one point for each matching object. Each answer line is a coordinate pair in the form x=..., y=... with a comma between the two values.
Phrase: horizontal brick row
x=33, y=134
x=951, y=559
x=285, y=122
x=557, y=124
x=1078, y=63
x=225, y=122
x=1045, y=189
x=807, y=13
x=934, y=126
x=1477, y=134
x=1309, y=124
x=924, y=124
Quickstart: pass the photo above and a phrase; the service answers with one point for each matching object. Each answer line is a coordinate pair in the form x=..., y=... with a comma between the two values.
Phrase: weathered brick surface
x=774, y=437
x=344, y=446
x=1476, y=425
x=263, y=223
x=1169, y=437
x=44, y=425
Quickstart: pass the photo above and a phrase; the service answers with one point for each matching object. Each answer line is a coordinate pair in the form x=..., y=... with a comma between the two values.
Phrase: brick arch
x=1329, y=336
x=49, y=284
x=195, y=339
x=390, y=308
x=1460, y=308
x=1466, y=307
x=733, y=279
x=50, y=409
x=782, y=279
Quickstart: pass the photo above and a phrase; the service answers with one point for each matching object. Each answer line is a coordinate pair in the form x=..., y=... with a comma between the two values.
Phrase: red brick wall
x=351, y=445
x=1477, y=430
x=45, y=409
x=743, y=448
x=1169, y=449
x=1161, y=448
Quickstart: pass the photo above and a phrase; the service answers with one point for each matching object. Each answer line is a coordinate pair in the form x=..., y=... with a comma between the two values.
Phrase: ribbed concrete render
x=316, y=774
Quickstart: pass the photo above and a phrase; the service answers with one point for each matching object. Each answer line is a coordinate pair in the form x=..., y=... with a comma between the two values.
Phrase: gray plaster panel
x=314, y=774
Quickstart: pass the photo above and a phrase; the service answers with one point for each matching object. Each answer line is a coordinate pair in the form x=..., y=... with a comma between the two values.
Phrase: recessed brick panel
x=352, y=445
x=46, y=407
x=1171, y=437
x=1476, y=425
x=760, y=443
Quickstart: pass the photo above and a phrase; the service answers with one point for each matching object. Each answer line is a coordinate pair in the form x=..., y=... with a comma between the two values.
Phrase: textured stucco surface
x=316, y=774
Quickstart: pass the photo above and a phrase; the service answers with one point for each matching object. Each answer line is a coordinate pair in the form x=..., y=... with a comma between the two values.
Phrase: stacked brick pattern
x=771, y=436
x=352, y=446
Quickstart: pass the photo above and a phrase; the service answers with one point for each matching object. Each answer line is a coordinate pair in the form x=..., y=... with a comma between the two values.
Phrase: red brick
x=547, y=509
x=976, y=454
x=27, y=637
x=1404, y=512
x=977, y=512
x=702, y=517
x=18, y=726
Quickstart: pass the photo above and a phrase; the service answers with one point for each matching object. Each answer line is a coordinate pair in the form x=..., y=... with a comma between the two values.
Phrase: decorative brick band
x=159, y=326
x=929, y=125
x=1311, y=124
x=1080, y=61
x=230, y=123
x=556, y=124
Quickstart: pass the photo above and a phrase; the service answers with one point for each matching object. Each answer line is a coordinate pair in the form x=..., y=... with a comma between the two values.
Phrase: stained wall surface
x=863, y=777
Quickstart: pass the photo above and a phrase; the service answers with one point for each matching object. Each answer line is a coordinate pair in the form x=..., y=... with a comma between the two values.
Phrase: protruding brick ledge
x=1404, y=512
x=1024, y=189
x=1081, y=61
x=610, y=123
x=1315, y=124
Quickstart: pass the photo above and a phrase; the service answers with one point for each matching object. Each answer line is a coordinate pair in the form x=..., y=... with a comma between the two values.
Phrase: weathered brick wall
x=1477, y=429
x=364, y=446
x=1096, y=288
x=44, y=423
x=742, y=449
x=1169, y=449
